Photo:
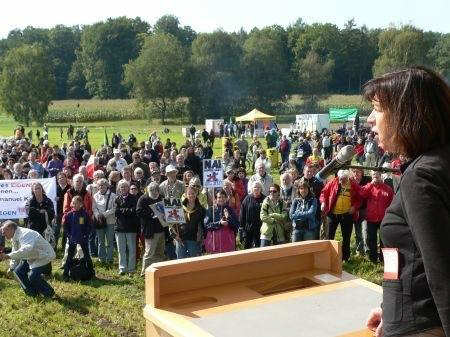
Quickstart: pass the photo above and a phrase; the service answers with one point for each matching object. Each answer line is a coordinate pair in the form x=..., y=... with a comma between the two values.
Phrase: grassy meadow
x=110, y=305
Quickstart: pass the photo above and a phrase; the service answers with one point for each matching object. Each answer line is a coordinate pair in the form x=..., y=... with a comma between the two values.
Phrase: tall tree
x=265, y=62
x=215, y=76
x=315, y=74
x=157, y=75
x=105, y=48
x=27, y=83
x=63, y=42
x=439, y=56
x=400, y=48
x=171, y=25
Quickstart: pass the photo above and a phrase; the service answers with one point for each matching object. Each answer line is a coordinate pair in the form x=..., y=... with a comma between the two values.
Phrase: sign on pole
x=173, y=211
x=212, y=173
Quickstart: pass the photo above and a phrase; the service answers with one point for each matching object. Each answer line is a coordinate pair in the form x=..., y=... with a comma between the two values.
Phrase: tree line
x=214, y=74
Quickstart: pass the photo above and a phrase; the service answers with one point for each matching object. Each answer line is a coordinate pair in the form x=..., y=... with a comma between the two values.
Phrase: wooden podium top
x=287, y=290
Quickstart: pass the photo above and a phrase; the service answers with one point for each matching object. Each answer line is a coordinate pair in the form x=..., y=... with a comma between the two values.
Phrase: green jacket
x=273, y=217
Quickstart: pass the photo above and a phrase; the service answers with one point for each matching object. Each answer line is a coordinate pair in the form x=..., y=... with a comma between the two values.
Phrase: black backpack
x=80, y=270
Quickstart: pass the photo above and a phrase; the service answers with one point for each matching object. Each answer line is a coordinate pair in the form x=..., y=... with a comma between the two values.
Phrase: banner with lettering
x=14, y=194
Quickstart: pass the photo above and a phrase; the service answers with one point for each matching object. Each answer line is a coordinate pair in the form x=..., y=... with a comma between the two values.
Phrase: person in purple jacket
x=78, y=226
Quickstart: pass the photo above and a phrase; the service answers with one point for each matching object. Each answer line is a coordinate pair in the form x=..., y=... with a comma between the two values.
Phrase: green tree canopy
x=266, y=66
x=215, y=75
x=105, y=48
x=315, y=74
x=27, y=83
x=400, y=48
x=157, y=75
x=171, y=25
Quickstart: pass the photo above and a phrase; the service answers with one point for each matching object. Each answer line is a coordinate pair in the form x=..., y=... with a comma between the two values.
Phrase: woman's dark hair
x=277, y=187
x=223, y=193
x=416, y=103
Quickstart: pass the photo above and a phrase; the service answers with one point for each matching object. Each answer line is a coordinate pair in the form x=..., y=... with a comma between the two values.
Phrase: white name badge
x=391, y=263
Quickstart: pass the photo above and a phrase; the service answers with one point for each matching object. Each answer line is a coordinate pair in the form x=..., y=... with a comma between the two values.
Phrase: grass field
x=111, y=305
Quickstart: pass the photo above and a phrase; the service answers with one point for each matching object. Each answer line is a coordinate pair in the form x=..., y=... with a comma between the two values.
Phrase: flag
x=90, y=167
x=105, y=139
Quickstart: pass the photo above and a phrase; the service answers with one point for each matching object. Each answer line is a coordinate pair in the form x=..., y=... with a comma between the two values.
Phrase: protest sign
x=173, y=211
x=212, y=173
x=158, y=210
x=14, y=194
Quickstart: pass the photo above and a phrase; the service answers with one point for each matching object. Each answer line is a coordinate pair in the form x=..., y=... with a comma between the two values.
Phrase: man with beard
x=263, y=177
x=151, y=227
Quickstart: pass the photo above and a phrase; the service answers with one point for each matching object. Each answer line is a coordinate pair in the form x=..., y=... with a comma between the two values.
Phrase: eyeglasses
x=133, y=188
x=273, y=191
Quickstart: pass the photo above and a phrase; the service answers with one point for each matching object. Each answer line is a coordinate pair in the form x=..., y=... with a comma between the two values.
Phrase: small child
x=77, y=224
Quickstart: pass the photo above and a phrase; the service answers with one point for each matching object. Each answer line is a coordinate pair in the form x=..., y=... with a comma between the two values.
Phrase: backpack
x=80, y=270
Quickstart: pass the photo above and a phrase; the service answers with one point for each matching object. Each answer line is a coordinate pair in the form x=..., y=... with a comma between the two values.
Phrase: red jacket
x=359, y=149
x=379, y=197
x=328, y=197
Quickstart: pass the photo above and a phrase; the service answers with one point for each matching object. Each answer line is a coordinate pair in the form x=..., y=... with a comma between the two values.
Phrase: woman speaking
x=411, y=116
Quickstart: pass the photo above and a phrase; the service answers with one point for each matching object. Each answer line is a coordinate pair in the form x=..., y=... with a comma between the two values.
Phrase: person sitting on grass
x=30, y=255
x=77, y=226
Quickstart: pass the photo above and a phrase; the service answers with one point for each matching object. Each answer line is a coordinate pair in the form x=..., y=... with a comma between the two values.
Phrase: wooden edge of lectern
x=264, y=271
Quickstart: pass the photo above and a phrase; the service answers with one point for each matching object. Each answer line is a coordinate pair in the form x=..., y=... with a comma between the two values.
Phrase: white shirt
x=120, y=163
x=29, y=245
x=99, y=206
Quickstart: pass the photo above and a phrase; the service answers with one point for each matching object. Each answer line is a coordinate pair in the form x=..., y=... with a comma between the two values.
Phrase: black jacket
x=194, y=222
x=36, y=220
x=249, y=216
x=126, y=217
x=418, y=224
x=149, y=223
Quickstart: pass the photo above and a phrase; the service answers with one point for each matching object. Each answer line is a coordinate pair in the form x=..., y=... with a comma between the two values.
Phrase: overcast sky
x=230, y=15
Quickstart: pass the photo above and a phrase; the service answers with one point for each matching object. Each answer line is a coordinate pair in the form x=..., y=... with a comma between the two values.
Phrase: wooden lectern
x=295, y=289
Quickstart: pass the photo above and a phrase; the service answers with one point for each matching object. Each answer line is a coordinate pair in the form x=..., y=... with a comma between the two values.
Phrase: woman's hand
x=224, y=223
x=375, y=321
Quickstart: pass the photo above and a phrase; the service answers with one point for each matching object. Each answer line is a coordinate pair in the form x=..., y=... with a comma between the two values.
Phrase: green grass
x=110, y=305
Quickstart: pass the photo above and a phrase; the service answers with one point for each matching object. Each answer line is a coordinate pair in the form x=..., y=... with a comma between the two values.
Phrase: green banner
x=342, y=115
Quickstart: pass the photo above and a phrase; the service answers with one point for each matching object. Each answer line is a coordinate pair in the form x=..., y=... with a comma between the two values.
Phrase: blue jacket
x=77, y=226
x=214, y=223
x=304, y=211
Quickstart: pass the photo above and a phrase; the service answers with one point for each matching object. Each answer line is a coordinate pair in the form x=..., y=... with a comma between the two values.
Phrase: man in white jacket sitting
x=29, y=256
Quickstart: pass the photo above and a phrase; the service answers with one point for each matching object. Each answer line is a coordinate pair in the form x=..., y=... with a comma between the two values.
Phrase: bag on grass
x=80, y=270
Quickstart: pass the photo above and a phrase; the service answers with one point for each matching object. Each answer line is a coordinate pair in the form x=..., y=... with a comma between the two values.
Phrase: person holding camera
x=303, y=213
x=104, y=207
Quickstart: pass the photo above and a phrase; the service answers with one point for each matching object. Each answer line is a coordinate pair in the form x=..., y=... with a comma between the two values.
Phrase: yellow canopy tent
x=253, y=116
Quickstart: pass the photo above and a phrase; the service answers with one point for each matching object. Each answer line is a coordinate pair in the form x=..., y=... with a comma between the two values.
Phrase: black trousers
x=346, y=222
x=252, y=237
x=372, y=240
x=71, y=254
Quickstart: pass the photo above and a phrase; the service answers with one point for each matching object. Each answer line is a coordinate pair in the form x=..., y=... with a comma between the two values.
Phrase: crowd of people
x=104, y=203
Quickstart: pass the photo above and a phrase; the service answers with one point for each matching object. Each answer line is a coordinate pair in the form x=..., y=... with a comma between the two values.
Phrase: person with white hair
x=30, y=256
x=250, y=220
x=92, y=188
x=340, y=201
x=104, y=207
x=151, y=226
x=127, y=224
x=263, y=177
